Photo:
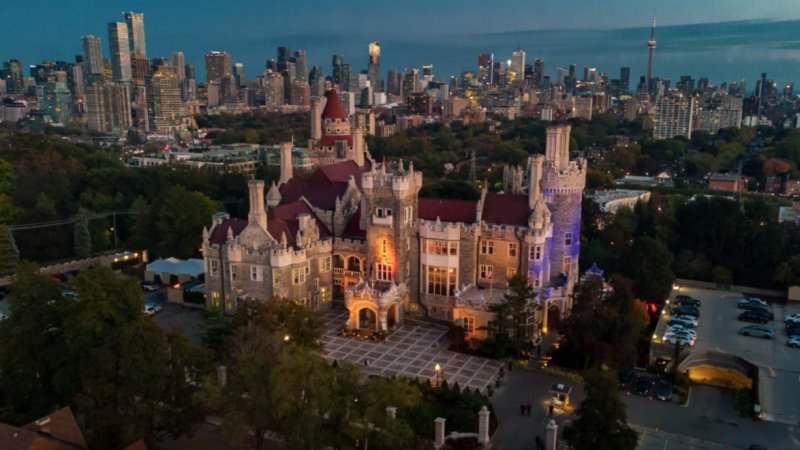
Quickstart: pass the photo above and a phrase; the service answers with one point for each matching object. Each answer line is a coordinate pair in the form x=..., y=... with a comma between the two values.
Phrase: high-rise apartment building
x=717, y=112
x=625, y=80
x=410, y=82
x=300, y=66
x=238, y=74
x=135, y=23
x=517, y=65
x=15, y=80
x=167, y=104
x=485, y=67
x=284, y=56
x=374, y=67
x=179, y=64
x=674, y=116
x=273, y=89
x=108, y=107
x=394, y=82
x=55, y=99
x=317, y=82
x=119, y=46
x=93, y=55
x=218, y=66
x=538, y=72
x=336, y=66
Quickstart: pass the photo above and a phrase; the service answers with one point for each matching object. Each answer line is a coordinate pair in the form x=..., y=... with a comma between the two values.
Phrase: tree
x=9, y=253
x=515, y=315
x=82, y=237
x=34, y=349
x=287, y=318
x=181, y=219
x=648, y=265
x=601, y=422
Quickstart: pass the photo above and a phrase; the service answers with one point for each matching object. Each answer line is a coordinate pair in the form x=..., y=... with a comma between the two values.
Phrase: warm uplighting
x=286, y=338
x=438, y=370
x=544, y=331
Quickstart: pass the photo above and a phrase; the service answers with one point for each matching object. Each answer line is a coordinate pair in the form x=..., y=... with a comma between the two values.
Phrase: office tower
x=427, y=70
x=167, y=105
x=140, y=70
x=410, y=82
x=300, y=66
x=76, y=80
x=336, y=66
x=393, y=82
x=179, y=65
x=674, y=116
x=273, y=89
x=135, y=22
x=189, y=71
x=55, y=99
x=651, y=45
x=485, y=63
x=93, y=55
x=15, y=81
x=347, y=74
x=788, y=90
x=238, y=74
x=119, y=46
x=218, y=65
x=317, y=81
x=284, y=55
x=538, y=72
x=561, y=75
x=518, y=64
x=108, y=107
x=625, y=80
x=374, y=68
x=300, y=93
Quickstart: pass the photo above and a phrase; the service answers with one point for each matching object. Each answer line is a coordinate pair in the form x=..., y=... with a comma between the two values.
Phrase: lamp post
x=438, y=370
x=286, y=338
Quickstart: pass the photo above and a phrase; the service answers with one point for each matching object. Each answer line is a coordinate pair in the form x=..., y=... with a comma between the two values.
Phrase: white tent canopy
x=189, y=267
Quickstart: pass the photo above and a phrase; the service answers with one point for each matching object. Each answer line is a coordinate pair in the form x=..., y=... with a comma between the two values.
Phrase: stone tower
x=562, y=183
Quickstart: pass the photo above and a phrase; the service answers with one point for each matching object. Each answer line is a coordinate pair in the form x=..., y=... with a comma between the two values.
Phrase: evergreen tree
x=9, y=254
x=515, y=317
x=82, y=237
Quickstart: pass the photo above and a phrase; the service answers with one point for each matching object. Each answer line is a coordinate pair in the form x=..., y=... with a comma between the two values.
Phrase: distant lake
x=726, y=51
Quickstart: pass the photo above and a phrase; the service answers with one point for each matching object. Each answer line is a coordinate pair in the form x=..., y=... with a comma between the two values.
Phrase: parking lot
x=779, y=365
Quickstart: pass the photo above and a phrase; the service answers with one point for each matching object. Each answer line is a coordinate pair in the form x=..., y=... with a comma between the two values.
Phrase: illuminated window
x=215, y=299
x=510, y=272
x=487, y=247
x=325, y=264
x=384, y=247
x=441, y=280
x=325, y=294
x=534, y=279
x=299, y=275
x=485, y=272
x=436, y=247
x=276, y=278
x=512, y=249
x=383, y=272
x=214, y=271
x=567, y=264
x=567, y=239
x=469, y=324
x=228, y=302
x=535, y=253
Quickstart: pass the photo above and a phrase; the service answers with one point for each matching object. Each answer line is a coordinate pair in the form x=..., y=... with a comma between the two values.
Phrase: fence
x=731, y=287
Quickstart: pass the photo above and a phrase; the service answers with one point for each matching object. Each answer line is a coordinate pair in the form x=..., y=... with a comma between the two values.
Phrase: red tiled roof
x=338, y=172
x=63, y=427
x=323, y=186
x=329, y=140
x=282, y=219
x=353, y=229
x=220, y=233
x=62, y=433
x=447, y=210
x=506, y=209
x=333, y=107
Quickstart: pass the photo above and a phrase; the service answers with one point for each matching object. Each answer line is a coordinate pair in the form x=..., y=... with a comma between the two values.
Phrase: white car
x=681, y=330
x=754, y=299
x=794, y=342
x=152, y=308
x=691, y=320
x=679, y=339
x=793, y=318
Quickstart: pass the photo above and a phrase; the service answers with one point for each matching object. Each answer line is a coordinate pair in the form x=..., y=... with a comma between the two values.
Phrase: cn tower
x=651, y=44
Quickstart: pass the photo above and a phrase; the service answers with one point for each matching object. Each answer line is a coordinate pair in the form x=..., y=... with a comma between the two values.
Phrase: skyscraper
x=300, y=66
x=284, y=55
x=538, y=72
x=167, y=105
x=393, y=82
x=651, y=45
x=625, y=80
x=119, y=47
x=410, y=82
x=337, y=63
x=518, y=64
x=108, y=107
x=374, y=68
x=674, y=117
x=485, y=65
x=179, y=65
x=218, y=65
x=15, y=81
x=317, y=81
x=93, y=55
x=135, y=22
x=238, y=74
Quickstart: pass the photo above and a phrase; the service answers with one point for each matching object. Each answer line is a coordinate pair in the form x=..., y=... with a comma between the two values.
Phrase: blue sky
x=39, y=29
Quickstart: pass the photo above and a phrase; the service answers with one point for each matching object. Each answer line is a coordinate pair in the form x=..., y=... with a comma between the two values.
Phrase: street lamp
x=438, y=370
x=286, y=338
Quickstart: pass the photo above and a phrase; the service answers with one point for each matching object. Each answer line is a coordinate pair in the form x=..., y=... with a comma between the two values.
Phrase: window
x=299, y=275
x=388, y=212
x=409, y=213
x=214, y=271
x=316, y=284
x=215, y=299
x=384, y=247
x=534, y=279
x=276, y=278
x=383, y=272
x=325, y=264
x=510, y=272
x=338, y=261
x=441, y=280
x=487, y=247
x=232, y=271
x=325, y=294
x=567, y=264
x=436, y=247
x=535, y=253
x=255, y=273
x=469, y=325
x=512, y=249
x=567, y=239
x=485, y=272
x=228, y=302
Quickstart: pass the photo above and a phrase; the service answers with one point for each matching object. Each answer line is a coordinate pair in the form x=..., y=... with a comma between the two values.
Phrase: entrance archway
x=553, y=317
x=367, y=319
x=391, y=317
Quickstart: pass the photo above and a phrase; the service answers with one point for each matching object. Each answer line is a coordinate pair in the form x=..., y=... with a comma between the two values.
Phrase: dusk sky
x=51, y=29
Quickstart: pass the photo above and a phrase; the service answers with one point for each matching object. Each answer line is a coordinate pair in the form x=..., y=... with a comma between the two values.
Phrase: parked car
x=681, y=330
x=761, y=331
x=687, y=300
x=792, y=331
x=753, y=306
x=626, y=376
x=686, y=311
x=642, y=386
x=794, y=318
x=756, y=316
x=752, y=300
x=794, y=342
x=689, y=321
x=664, y=390
x=150, y=286
x=151, y=308
x=682, y=340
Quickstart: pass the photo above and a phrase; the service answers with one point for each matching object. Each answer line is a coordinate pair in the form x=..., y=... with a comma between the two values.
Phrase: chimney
x=563, y=156
x=258, y=215
x=551, y=148
x=535, y=178
x=43, y=425
x=286, y=162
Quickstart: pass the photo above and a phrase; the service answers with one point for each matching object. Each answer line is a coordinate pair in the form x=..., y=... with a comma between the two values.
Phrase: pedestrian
x=528, y=408
x=522, y=409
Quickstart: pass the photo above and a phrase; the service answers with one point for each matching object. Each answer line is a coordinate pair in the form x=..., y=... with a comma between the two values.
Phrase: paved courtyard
x=411, y=351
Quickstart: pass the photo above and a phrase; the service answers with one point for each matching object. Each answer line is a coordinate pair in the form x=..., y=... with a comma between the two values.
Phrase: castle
x=354, y=233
